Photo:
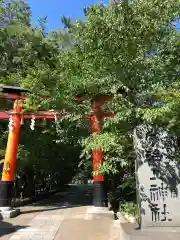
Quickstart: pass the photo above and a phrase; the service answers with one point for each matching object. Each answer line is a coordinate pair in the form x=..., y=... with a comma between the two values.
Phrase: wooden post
x=100, y=193
x=96, y=116
x=7, y=180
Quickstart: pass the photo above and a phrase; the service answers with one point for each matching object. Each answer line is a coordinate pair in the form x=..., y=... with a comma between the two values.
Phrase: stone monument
x=157, y=176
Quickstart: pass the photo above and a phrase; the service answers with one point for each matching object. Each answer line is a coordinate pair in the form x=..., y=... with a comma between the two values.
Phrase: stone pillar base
x=11, y=213
x=6, y=190
x=99, y=195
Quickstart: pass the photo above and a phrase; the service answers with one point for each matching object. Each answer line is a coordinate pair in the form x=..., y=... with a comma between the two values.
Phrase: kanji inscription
x=158, y=178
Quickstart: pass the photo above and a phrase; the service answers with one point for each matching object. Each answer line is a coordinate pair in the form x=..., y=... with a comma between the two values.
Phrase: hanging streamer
x=10, y=123
x=22, y=120
x=56, y=123
x=55, y=118
x=32, y=125
x=59, y=131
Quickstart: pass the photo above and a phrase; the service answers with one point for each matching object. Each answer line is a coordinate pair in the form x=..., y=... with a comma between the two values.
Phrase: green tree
x=131, y=45
x=29, y=59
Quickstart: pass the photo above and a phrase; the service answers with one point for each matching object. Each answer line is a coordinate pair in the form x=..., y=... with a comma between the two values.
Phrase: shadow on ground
x=8, y=228
x=73, y=196
x=76, y=196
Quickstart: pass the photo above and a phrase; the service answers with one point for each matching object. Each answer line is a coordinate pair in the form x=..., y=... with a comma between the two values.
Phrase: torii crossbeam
x=38, y=115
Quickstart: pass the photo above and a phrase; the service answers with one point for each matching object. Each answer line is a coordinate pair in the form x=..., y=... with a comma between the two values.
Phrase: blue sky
x=54, y=9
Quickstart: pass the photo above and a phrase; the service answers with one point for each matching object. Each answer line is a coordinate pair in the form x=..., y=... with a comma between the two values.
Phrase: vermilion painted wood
x=37, y=115
x=13, y=137
x=96, y=116
x=12, y=145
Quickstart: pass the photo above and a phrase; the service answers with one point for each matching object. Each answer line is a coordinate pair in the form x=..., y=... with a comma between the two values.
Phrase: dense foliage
x=129, y=45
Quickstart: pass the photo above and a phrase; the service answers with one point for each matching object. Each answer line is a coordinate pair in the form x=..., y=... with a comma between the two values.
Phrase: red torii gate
x=17, y=95
x=96, y=116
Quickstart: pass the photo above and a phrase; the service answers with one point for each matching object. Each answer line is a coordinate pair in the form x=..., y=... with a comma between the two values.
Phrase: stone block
x=131, y=231
x=158, y=177
x=9, y=213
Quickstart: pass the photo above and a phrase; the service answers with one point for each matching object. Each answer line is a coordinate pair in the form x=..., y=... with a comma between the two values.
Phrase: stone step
x=131, y=231
x=98, y=213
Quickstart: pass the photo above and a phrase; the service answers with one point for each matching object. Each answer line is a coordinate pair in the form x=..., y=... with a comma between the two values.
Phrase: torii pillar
x=96, y=116
x=7, y=179
x=9, y=168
